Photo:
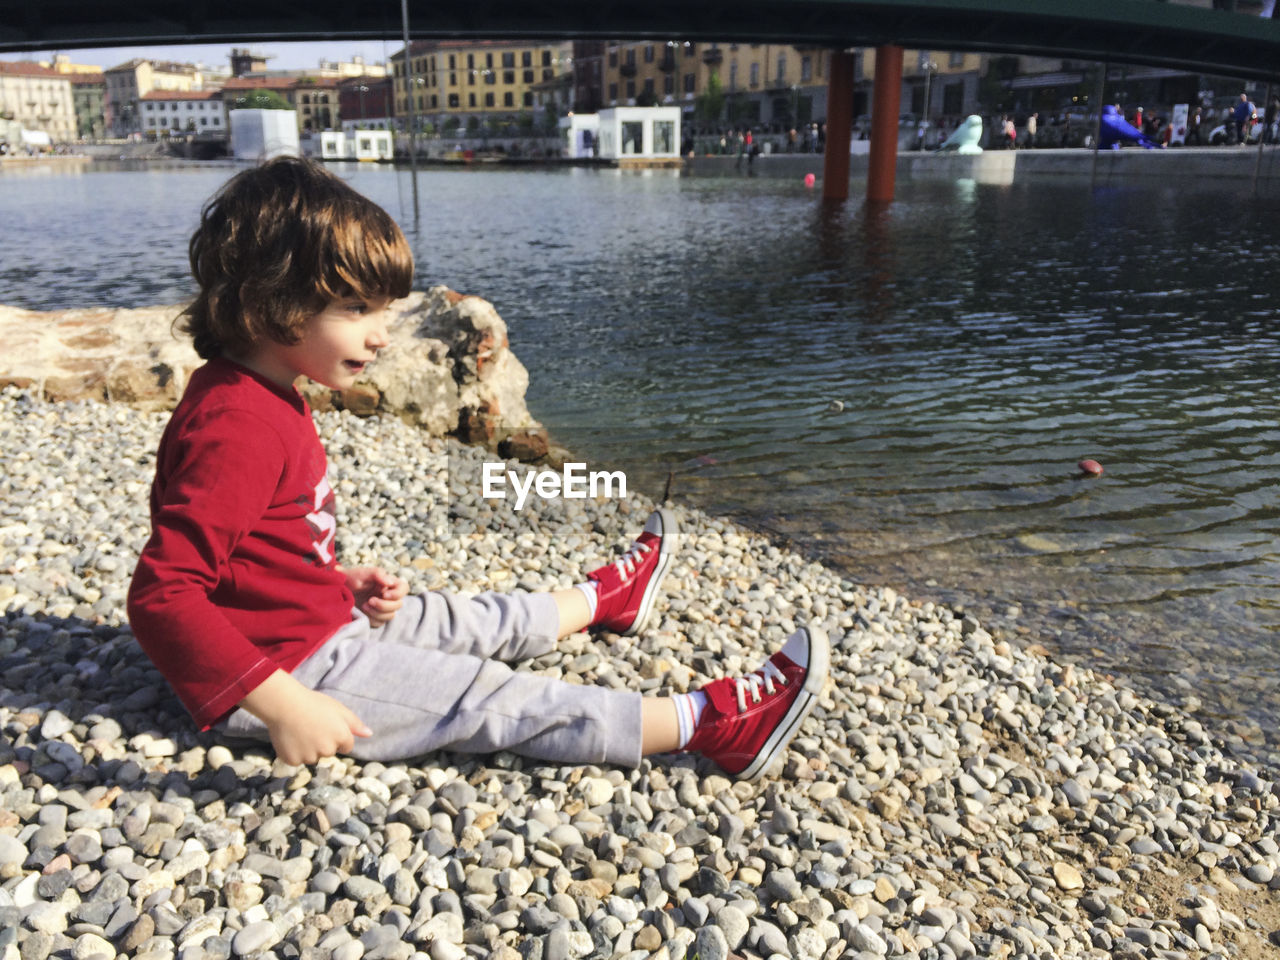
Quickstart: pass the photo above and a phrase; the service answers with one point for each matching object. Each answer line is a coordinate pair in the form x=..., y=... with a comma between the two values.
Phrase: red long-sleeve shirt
x=239, y=577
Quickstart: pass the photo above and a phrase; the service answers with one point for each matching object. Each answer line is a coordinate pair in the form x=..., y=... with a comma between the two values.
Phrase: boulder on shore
x=448, y=368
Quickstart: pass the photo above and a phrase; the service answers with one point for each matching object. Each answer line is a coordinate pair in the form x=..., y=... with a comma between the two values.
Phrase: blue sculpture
x=1116, y=129
x=964, y=139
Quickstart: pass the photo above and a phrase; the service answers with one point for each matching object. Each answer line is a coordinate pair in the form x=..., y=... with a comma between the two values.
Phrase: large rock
x=449, y=367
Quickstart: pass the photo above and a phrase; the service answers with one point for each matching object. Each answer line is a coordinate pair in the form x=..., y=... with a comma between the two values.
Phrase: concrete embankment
x=1183, y=164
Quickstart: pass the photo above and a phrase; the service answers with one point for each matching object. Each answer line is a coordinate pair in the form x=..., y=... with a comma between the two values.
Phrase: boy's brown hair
x=276, y=245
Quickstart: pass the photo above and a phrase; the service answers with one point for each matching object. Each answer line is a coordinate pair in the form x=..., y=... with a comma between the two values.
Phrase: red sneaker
x=748, y=721
x=626, y=588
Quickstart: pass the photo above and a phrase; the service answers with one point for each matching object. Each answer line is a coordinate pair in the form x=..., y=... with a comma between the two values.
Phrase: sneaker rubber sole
x=666, y=553
x=814, y=680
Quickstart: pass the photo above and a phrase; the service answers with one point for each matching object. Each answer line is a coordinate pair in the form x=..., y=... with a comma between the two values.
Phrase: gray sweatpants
x=431, y=680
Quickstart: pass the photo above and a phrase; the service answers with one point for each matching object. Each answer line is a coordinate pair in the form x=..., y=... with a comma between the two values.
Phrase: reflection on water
x=906, y=391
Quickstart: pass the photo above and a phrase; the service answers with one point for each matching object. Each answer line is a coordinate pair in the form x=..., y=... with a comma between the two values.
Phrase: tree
x=261, y=100
x=647, y=98
x=710, y=103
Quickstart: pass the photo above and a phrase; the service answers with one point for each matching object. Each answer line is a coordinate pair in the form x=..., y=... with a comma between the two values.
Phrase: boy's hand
x=378, y=594
x=304, y=725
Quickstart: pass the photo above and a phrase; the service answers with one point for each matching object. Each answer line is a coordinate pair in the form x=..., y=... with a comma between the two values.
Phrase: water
x=905, y=394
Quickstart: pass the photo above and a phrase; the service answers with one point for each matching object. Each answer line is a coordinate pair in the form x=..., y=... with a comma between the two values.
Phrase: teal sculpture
x=964, y=139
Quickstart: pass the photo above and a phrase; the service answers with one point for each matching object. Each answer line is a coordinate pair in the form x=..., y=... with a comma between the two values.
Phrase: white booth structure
x=350, y=145
x=630, y=134
x=579, y=133
x=369, y=145
x=263, y=134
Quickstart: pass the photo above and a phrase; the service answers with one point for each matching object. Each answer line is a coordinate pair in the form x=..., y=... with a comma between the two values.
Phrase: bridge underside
x=1130, y=31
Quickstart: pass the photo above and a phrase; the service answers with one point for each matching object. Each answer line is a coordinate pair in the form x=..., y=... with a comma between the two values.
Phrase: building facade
x=757, y=84
x=33, y=97
x=315, y=99
x=769, y=86
x=467, y=84
x=170, y=112
x=366, y=103
x=88, y=94
x=940, y=86
x=127, y=83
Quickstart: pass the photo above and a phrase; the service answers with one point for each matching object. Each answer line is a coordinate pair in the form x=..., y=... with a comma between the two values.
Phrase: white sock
x=689, y=708
x=589, y=591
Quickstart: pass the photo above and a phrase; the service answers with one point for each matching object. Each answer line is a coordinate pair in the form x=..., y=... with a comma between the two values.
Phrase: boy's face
x=336, y=346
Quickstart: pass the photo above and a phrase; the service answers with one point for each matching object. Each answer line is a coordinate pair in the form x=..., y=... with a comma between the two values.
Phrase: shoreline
x=950, y=793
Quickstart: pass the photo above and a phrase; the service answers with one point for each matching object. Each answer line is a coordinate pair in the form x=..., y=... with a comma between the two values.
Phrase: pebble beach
x=952, y=795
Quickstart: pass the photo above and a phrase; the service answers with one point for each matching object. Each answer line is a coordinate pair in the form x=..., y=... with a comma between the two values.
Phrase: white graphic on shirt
x=323, y=522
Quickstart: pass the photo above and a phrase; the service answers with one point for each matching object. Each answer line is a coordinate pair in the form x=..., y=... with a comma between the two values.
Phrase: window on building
x=453, y=62
x=509, y=59
x=453, y=101
x=632, y=136
x=613, y=91
x=526, y=58
x=435, y=101
x=548, y=74
x=648, y=53
x=806, y=69
x=471, y=61
x=755, y=74
x=453, y=79
x=956, y=59
x=488, y=100
x=733, y=76
x=953, y=98
x=664, y=136
x=528, y=98
x=689, y=81
x=782, y=68
x=631, y=56
x=488, y=61
x=546, y=58
x=471, y=99
x=631, y=89
x=917, y=98
x=204, y=121
x=668, y=84
x=613, y=58
x=648, y=87
x=508, y=99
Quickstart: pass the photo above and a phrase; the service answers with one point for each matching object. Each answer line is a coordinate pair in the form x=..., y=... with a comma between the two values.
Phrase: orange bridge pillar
x=835, y=162
x=886, y=100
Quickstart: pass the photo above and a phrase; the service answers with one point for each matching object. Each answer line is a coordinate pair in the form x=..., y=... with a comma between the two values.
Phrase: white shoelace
x=764, y=677
x=626, y=564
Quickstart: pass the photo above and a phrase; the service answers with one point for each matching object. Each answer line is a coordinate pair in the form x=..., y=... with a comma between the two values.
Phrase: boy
x=239, y=600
